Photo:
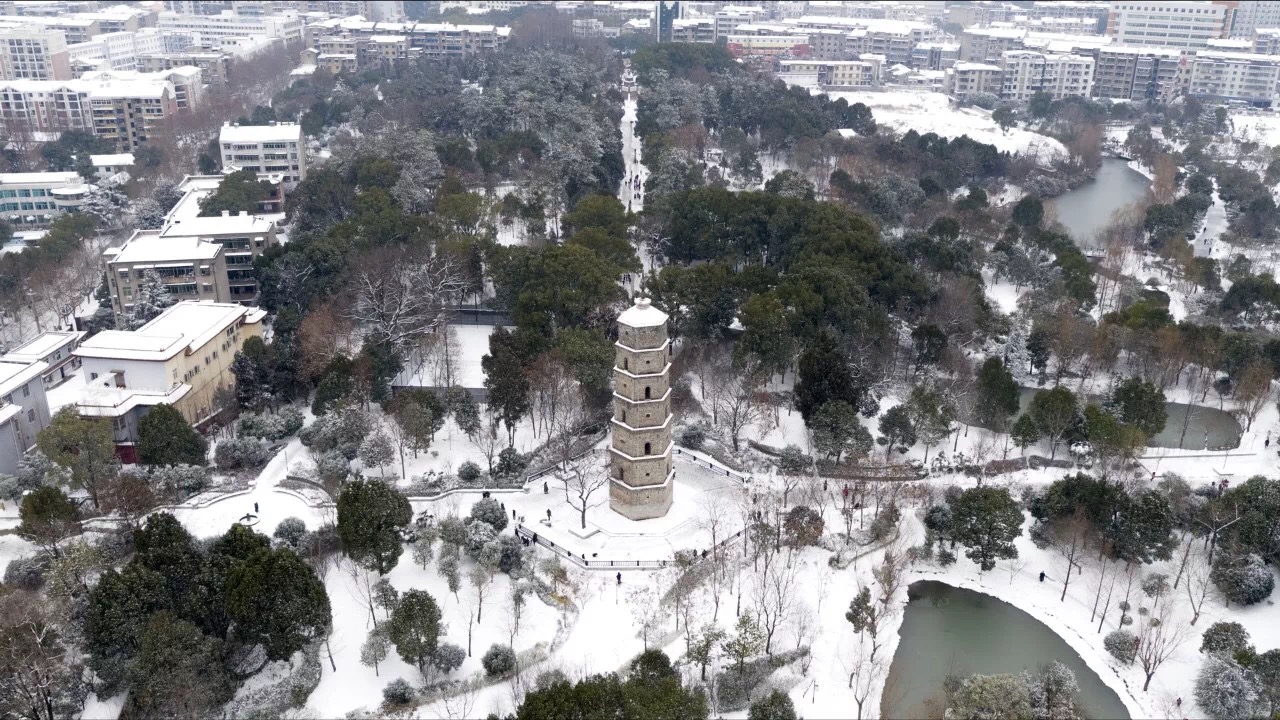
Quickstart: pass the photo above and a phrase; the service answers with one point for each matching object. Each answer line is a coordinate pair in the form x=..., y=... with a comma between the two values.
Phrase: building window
x=647, y=394
x=648, y=448
x=26, y=391
x=31, y=416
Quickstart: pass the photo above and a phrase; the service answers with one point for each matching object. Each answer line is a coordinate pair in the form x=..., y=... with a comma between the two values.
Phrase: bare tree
x=553, y=387
x=713, y=516
x=865, y=675
x=646, y=609
x=401, y=296
x=1162, y=635
x=459, y=701
x=1106, y=570
x=775, y=593
x=1069, y=541
x=581, y=481
x=734, y=400
x=1198, y=583
x=1216, y=517
x=889, y=573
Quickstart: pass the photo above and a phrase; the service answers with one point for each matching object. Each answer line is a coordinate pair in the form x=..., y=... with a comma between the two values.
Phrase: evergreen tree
x=48, y=518
x=178, y=672
x=1053, y=411
x=776, y=705
x=85, y=446
x=118, y=608
x=1025, y=432
x=987, y=521
x=824, y=376
x=149, y=300
x=1142, y=528
x=377, y=451
x=834, y=427
x=506, y=380
x=997, y=395
x=415, y=628
x=275, y=599
x=1225, y=638
x=747, y=640
x=371, y=515
x=1225, y=691
x=1243, y=579
x=896, y=429
x=641, y=697
x=254, y=368
x=166, y=438
x=1139, y=403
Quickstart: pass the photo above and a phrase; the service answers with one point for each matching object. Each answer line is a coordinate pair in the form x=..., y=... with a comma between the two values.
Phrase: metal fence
x=713, y=466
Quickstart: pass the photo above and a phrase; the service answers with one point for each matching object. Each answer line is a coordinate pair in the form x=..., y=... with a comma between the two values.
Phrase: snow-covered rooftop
x=243, y=224
x=279, y=132
x=39, y=346
x=642, y=314
x=185, y=325
x=111, y=160
x=14, y=375
x=32, y=178
x=153, y=248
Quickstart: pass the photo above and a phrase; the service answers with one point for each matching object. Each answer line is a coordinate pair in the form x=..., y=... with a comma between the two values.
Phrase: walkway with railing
x=597, y=563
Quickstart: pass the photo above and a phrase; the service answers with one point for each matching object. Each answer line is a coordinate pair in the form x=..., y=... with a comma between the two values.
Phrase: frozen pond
x=1087, y=209
x=951, y=631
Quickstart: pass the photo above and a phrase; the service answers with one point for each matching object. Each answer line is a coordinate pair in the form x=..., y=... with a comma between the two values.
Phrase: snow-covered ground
x=927, y=112
x=1263, y=129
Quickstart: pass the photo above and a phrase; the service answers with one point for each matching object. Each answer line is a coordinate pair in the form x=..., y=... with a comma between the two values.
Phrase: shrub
x=270, y=426
x=511, y=559
x=397, y=692
x=693, y=437
x=1226, y=690
x=1122, y=645
x=511, y=465
x=468, y=473
x=448, y=657
x=332, y=466
x=490, y=511
x=27, y=572
x=946, y=557
x=181, y=481
x=1224, y=638
x=1244, y=579
x=498, y=660
x=241, y=453
x=290, y=531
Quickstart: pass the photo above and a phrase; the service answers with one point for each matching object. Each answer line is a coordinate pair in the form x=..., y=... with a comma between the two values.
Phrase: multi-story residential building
x=181, y=358
x=36, y=198
x=935, y=55
x=894, y=39
x=1170, y=23
x=33, y=53
x=1136, y=73
x=201, y=258
x=1027, y=72
x=768, y=45
x=986, y=45
x=966, y=79
x=1266, y=41
x=838, y=74
x=127, y=112
x=693, y=30
x=430, y=39
x=54, y=349
x=728, y=18
x=106, y=167
x=24, y=410
x=215, y=67
x=1246, y=77
x=116, y=51
x=269, y=150
x=1252, y=15
x=227, y=24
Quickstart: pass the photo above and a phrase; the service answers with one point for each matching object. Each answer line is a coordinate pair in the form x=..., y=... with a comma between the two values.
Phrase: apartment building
x=767, y=45
x=1136, y=73
x=935, y=55
x=37, y=198
x=429, y=39
x=986, y=45
x=1266, y=41
x=215, y=67
x=727, y=19
x=1222, y=76
x=1252, y=15
x=228, y=24
x=116, y=51
x=1027, y=72
x=895, y=39
x=1170, y=23
x=24, y=410
x=693, y=30
x=127, y=112
x=838, y=74
x=208, y=259
x=181, y=358
x=33, y=53
x=966, y=79
x=54, y=349
x=269, y=150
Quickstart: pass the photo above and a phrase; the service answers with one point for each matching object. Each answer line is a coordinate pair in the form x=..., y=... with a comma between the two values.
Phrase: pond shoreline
x=1008, y=593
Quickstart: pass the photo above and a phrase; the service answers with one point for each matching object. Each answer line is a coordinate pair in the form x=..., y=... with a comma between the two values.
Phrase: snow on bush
x=1122, y=645
x=498, y=660
x=397, y=692
x=1224, y=638
x=270, y=426
x=490, y=511
x=181, y=480
x=290, y=531
x=468, y=473
x=448, y=657
x=1244, y=579
x=1225, y=690
x=238, y=453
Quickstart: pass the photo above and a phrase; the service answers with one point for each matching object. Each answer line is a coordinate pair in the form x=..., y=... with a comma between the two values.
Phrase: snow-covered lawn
x=1259, y=128
x=927, y=112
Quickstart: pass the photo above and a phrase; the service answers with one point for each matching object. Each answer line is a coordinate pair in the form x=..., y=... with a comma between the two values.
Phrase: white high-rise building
x=1169, y=23
x=275, y=150
x=1254, y=14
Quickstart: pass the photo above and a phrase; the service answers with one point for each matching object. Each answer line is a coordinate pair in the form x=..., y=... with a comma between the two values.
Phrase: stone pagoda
x=640, y=470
